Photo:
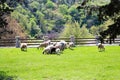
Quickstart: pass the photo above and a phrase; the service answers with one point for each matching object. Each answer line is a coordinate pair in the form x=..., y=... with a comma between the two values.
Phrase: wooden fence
x=78, y=41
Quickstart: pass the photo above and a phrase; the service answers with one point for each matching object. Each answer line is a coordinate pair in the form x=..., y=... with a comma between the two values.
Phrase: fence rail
x=78, y=41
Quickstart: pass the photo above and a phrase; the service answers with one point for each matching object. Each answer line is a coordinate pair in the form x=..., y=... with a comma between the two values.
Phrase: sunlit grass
x=82, y=63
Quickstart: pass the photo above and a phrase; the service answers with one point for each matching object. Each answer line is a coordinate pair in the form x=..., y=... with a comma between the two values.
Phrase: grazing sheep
x=51, y=49
x=55, y=50
x=48, y=49
x=101, y=47
x=23, y=46
x=59, y=45
x=55, y=47
x=44, y=44
x=70, y=45
x=58, y=51
x=64, y=44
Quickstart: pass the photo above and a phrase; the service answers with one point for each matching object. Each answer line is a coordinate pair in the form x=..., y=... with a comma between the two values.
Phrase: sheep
x=57, y=51
x=51, y=49
x=64, y=44
x=101, y=47
x=44, y=44
x=55, y=47
x=48, y=49
x=59, y=45
x=23, y=46
x=70, y=45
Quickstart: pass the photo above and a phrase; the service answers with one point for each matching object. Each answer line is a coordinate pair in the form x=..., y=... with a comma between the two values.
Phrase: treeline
x=39, y=17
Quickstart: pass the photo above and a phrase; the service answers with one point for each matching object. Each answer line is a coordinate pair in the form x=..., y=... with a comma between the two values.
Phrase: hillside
x=12, y=30
x=40, y=17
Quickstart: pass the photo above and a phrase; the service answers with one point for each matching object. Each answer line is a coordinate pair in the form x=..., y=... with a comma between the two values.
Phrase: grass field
x=82, y=63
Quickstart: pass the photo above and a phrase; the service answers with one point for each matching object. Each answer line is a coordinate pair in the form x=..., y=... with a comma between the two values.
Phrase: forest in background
x=58, y=18
x=39, y=17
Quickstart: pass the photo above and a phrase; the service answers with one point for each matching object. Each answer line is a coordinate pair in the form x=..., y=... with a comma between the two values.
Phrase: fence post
x=45, y=38
x=17, y=41
x=72, y=39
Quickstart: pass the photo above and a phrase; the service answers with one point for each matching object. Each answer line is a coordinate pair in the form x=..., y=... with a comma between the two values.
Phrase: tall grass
x=82, y=63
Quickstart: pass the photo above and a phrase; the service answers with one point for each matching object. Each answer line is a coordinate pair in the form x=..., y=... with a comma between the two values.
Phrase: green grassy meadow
x=82, y=63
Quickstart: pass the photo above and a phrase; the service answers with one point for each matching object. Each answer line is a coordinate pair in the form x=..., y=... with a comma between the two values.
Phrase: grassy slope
x=83, y=63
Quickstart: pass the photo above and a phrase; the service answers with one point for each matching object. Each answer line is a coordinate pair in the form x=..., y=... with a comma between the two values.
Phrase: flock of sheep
x=56, y=47
x=51, y=47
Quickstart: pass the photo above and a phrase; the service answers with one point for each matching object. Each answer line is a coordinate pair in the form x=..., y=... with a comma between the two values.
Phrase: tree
x=34, y=6
x=94, y=30
x=105, y=11
x=63, y=9
x=111, y=10
x=74, y=13
x=76, y=29
x=4, y=10
x=84, y=32
x=50, y=4
x=41, y=21
x=6, y=7
x=67, y=31
x=71, y=28
x=34, y=31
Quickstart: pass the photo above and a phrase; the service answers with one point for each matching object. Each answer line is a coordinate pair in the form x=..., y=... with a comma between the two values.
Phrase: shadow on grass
x=4, y=76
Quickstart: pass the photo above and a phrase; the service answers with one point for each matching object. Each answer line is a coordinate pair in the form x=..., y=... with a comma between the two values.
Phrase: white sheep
x=23, y=46
x=70, y=45
x=44, y=44
x=58, y=51
x=47, y=49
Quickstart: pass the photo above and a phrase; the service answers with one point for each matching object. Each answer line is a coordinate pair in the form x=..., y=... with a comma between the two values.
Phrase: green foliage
x=63, y=9
x=76, y=29
x=40, y=15
x=34, y=6
x=50, y=4
x=27, y=20
x=67, y=31
x=52, y=15
x=84, y=33
x=4, y=10
x=34, y=31
x=111, y=10
x=94, y=30
x=97, y=29
x=73, y=11
x=73, y=28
